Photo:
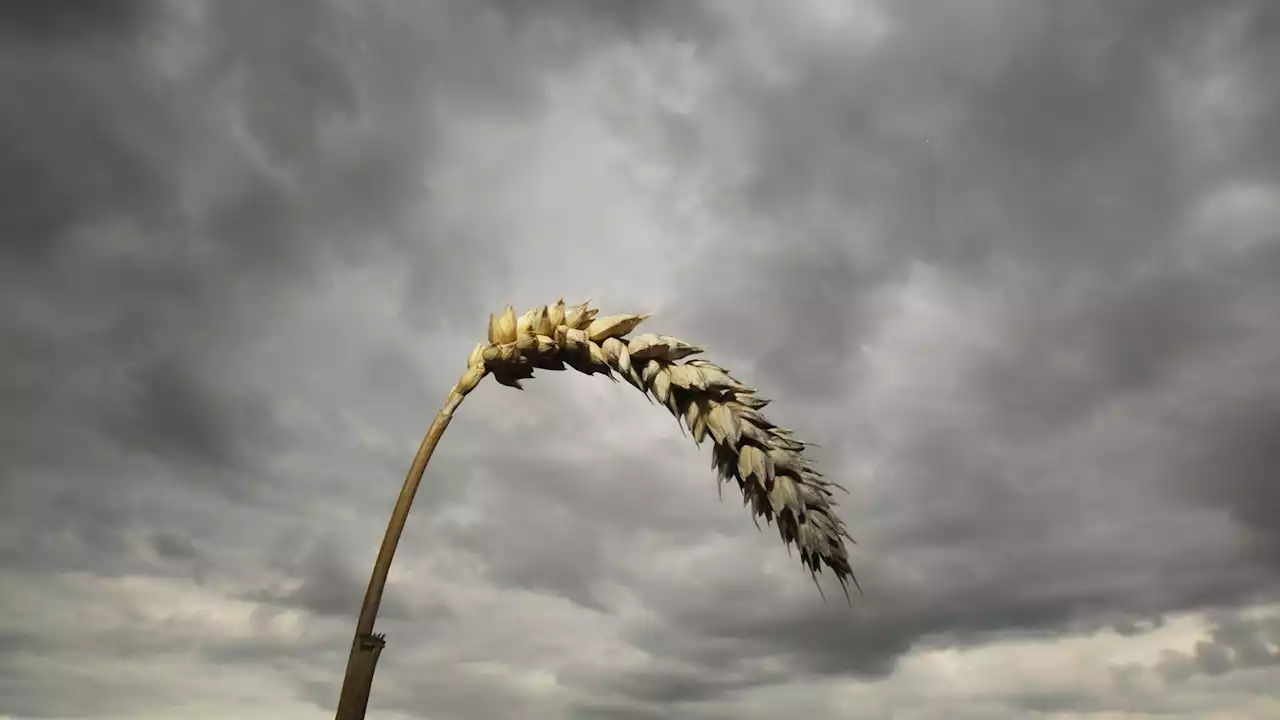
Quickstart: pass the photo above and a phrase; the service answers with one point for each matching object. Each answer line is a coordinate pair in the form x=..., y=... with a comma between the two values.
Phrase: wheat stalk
x=768, y=464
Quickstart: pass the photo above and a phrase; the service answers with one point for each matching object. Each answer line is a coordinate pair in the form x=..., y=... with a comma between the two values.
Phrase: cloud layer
x=1012, y=265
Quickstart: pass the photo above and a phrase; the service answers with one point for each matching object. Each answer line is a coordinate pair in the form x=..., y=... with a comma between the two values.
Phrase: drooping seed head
x=767, y=463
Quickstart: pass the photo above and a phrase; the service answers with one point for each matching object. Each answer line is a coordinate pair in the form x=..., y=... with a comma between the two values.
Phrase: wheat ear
x=768, y=464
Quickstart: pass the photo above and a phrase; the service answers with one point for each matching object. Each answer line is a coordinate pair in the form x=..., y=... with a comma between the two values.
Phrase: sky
x=1012, y=264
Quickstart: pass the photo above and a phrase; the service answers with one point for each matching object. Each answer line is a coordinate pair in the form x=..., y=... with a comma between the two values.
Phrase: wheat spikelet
x=768, y=464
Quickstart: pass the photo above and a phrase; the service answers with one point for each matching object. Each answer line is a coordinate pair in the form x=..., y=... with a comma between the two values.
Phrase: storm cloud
x=1012, y=265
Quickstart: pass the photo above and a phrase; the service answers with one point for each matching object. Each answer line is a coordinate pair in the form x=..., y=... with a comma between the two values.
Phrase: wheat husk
x=768, y=465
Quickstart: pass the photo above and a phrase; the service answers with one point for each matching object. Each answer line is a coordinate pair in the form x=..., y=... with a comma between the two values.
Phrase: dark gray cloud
x=627, y=19
x=1011, y=265
x=172, y=179
x=328, y=581
x=1038, y=166
x=43, y=21
x=1229, y=463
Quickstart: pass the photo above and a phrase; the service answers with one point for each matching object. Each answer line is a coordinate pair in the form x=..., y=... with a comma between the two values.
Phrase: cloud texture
x=1013, y=265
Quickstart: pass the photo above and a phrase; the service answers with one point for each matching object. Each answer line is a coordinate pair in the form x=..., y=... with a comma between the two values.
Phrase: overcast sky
x=1015, y=266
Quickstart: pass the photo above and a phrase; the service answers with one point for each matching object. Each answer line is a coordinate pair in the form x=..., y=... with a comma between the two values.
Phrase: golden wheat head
x=767, y=463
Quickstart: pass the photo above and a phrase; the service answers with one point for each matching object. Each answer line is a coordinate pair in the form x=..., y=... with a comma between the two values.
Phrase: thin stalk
x=768, y=464
x=365, y=646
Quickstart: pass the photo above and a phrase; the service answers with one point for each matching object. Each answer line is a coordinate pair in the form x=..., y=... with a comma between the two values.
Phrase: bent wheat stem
x=766, y=462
